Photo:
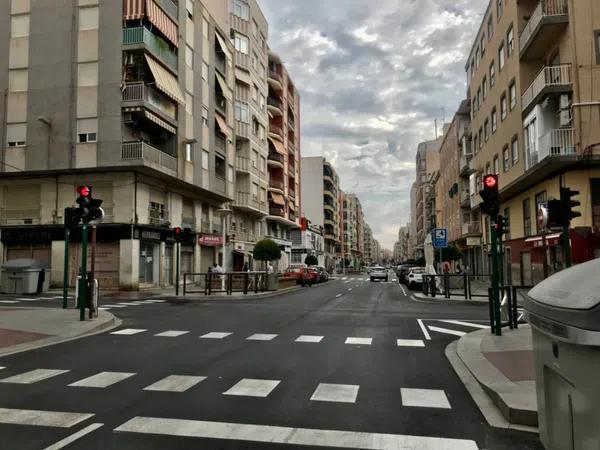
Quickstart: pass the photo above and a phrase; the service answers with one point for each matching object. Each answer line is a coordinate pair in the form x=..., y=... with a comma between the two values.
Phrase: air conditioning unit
x=565, y=118
x=565, y=102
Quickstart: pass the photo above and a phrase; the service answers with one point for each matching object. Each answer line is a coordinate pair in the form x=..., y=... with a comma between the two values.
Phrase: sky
x=373, y=77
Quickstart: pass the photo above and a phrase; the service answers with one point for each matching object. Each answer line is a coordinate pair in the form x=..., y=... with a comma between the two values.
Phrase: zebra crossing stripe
x=102, y=379
x=70, y=439
x=446, y=331
x=41, y=418
x=465, y=324
x=172, y=333
x=33, y=376
x=128, y=331
x=9, y=302
x=249, y=387
x=175, y=383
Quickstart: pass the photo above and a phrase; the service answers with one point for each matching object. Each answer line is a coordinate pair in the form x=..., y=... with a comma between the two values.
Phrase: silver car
x=379, y=273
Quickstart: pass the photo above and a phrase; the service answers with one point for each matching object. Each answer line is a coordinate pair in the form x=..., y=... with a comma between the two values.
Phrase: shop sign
x=473, y=242
x=151, y=235
x=210, y=240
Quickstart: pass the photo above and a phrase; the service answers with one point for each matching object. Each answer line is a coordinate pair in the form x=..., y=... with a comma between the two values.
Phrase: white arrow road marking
x=446, y=331
x=466, y=324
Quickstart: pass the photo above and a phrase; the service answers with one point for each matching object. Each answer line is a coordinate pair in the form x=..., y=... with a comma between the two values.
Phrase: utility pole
x=66, y=267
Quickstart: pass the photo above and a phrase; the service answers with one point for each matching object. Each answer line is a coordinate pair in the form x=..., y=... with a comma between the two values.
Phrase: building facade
x=353, y=229
x=309, y=242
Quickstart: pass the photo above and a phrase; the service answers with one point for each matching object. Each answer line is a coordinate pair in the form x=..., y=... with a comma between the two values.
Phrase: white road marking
x=155, y=301
x=350, y=289
x=124, y=303
x=104, y=309
x=410, y=343
x=138, y=303
x=446, y=331
x=172, y=333
x=2, y=367
x=41, y=418
x=359, y=341
x=424, y=330
x=338, y=296
x=102, y=379
x=310, y=339
x=215, y=335
x=261, y=337
x=339, y=393
x=175, y=383
x=346, y=282
x=9, y=302
x=70, y=439
x=249, y=387
x=403, y=291
x=466, y=324
x=115, y=306
x=128, y=331
x=33, y=376
x=290, y=436
x=425, y=398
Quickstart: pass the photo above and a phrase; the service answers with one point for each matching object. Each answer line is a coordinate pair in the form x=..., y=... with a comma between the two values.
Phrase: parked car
x=402, y=273
x=379, y=273
x=310, y=276
x=323, y=274
x=415, y=277
x=293, y=272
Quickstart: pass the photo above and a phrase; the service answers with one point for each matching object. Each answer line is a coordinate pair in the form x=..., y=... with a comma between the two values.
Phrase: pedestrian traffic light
x=178, y=233
x=490, y=196
x=568, y=203
x=502, y=225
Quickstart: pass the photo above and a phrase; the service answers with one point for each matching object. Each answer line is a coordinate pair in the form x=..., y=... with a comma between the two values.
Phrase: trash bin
x=24, y=276
x=564, y=313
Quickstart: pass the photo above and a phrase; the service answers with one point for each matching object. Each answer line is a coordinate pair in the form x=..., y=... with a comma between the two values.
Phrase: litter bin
x=25, y=276
x=564, y=313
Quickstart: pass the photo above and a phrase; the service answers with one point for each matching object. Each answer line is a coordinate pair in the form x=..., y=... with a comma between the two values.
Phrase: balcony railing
x=141, y=151
x=277, y=184
x=465, y=163
x=219, y=184
x=559, y=142
x=28, y=216
x=550, y=77
x=140, y=92
x=275, y=102
x=545, y=9
x=245, y=199
x=276, y=130
x=275, y=76
x=158, y=216
x=169, y=7
x=465, y=197
x=157, y=46
x=276, y=211
x=276, y=157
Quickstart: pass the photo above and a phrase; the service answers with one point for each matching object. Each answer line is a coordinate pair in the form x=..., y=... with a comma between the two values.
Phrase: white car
x=415, y=276
x=379, y=273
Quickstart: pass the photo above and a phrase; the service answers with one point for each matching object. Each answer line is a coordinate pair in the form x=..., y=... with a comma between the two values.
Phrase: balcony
x=328, y=193
x=465, y=198
x=276, y=131
x=277, y=211
x=244, y=236
x=275, y=80
x=221, y=63
x=329, y=207
x=292, y=216
x=471, y=229
x=554, y=143
x=276, y=184
x=151, y=98
x=275, y=106
x=242, y=130
x=158, y=216
x=292, y=125
x=150, y=156
x=249, y=202
x=330, y=221
x=551, y=80
x=291, y=146
x=242, y=61
x=219, y=184
x=28, y=216
x=243, y=165
x=465, y=165
x=157, y=46
x=275, y=160
x=548, y=19
x=221, y=103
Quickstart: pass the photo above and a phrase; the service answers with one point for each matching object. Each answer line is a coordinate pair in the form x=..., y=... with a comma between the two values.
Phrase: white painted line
x=2, y=367
x=446, y=331
x=261, y=337
x=41, y=418
x=410, y=343
x=359, y=341
x=124, y=303
x=350, y=289
x=215, y=335
x=346, y=282
x=70, y=439
x=128, y=331
x=102, y=379
x=172, y=333
x=466, y=324
x=425, y=398
x=115, y=306
x=310, y=339
x=9, y=302
x=290, y=436
x=344, y=278
x=253, y=388
x=338, y=296
x=33, y=376
x=138, y=303
x=403, y=291
x=155, y=301
x=424, y=330
x=104, y=309
x=175, y=383
x=339, y=393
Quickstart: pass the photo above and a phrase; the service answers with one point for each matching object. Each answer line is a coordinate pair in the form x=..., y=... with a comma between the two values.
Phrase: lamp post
x=224, y=213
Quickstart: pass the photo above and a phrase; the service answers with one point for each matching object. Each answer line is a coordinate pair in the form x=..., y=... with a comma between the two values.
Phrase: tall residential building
x=401, y=248
x=368, y=245
x=320, y=188
x=249, y=32
x=137, y=102
x=412, y=230
x=284, y=156
x=534, y=83
x=353, y=229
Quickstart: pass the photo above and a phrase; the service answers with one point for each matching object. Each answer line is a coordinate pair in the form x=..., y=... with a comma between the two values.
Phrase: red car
x=303, y=275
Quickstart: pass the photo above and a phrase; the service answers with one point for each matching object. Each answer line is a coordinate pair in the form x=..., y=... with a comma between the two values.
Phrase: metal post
x=495, y=282
x=491, y=305
x=246, y=281
x=83, y=283
x=93, y=266
x=465, y=285
x=177, y=250
x=567, y=246
x=184, y=283
x=545, y=248
x=66, y=269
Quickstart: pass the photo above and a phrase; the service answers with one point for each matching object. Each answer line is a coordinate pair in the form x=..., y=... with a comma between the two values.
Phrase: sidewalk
x=23, y=329
x=503, y=367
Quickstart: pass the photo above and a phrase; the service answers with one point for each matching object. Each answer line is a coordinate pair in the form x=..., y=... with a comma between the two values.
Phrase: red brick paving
x=14, y=337
x=516, y=365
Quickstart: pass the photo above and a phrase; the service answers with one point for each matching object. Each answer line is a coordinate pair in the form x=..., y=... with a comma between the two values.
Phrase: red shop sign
x=210, y=240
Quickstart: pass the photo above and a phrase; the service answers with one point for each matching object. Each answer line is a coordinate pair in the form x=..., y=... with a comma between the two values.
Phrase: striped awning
x=224, y=87
x=163, y=22
x=222, y=125
x=223, y=46
x=158, y=121
x=165, y=81
x=279, y=147
x=278, y=199
x=134, y=9
x=292, y=206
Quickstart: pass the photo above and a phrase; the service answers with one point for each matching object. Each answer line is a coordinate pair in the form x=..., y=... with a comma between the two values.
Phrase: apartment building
x=412, y=230
x=534, y=104
x=368, y=245
x=353, y=229
x=320, y=187
x=401, y=247
x=308, y=242
x=133, y=98
x=249, y=32
x=284, y=156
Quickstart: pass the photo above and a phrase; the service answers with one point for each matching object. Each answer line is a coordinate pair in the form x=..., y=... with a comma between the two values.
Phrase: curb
x=433, y=301
x=195, y=298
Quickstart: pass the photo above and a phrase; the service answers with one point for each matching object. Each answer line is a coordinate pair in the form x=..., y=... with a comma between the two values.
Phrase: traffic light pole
x=83, y=285
x=566, y=246
x=177, y=251
x=66, y=269
x=495, y=285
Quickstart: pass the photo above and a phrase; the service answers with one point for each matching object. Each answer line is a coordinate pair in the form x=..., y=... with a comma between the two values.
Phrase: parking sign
x=440, y=237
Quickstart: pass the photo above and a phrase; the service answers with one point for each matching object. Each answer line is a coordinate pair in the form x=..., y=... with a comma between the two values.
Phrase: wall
x=312, y=190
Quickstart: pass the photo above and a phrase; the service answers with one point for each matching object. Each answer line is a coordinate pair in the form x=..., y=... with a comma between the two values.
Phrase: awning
x=223, y=125
x=223, y=46
x=292, y=206
x=224, y=87
x=277, y=199
x=243, y=76
x=165, y=81
x=278, y=146
x=539, y=238
x=552, y=240
x=163, y=22
x=133, y=9
x=157, y=120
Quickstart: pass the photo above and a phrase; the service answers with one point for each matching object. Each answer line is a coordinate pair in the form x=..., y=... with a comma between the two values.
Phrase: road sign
x=440, y=237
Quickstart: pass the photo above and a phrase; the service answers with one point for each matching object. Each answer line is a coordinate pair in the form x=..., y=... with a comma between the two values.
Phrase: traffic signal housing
x=502, y=225
x=490, y=196
x=568, y=203
x=178, y=233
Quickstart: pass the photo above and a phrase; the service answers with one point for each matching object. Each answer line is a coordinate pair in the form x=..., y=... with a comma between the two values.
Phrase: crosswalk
x=20, y=300
x=447, y=327
x=57, y=299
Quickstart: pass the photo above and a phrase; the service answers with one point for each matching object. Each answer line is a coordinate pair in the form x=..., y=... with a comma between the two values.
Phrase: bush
x=267, y=250
x=311, y=260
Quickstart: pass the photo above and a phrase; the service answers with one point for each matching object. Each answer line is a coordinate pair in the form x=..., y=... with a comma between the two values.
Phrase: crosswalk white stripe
x=290, y=436
x=155, y=301
x=2, y=367
x=104, y=309
x=423, y=329
x=466, y=324
x=215, y=335
x=175, y=383
x=336, y=393
x=338, y=296
x=310, y=339
x=9, y=302
x=249, y=387
x=410, y=343
x=70, y=439
x=33, y=376
x=261, y=337
x=115, y=306
x=128, y=331
x=102, y=379
x=41, y=418
x=172, y=333
x=424, y=398
x=358, y=341
x=446, y=331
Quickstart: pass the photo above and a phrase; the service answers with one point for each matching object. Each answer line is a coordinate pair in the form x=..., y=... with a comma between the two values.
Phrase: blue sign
x=440, y=237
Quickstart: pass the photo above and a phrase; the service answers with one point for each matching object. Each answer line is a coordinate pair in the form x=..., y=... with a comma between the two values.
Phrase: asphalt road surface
x=349, y=364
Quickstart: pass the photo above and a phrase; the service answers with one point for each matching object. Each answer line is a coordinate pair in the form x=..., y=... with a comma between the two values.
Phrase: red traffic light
x=490, y=181
x=177, y=230
x=84, y=191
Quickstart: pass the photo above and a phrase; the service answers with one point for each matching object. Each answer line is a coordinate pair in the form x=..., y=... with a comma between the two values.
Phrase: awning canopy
x=278, y=199
x=223, y=46
x=157, y=120
x=224, y=87
x=243, y=76
x=222, y=125
x=165, y=81
x=163, y=22
x=134, y=9
x=279, y=147
x=292, y=206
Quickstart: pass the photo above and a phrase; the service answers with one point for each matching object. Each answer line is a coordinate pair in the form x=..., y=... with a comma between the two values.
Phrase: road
x=348, y=364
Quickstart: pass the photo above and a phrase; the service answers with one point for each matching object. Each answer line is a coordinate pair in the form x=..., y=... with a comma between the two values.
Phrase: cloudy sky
x=373, y=76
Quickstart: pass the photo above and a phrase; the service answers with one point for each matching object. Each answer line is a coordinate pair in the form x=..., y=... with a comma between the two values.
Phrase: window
x=597, y=39
x=230, y=174
x=512, y=95
x=496, y=165
x=492, y=74
x=16, y=134
x=540, y=198
x=510, y=41
x=503, y=107
x=254, y=61
x=514, y=150
x=189, y=152
x=472, y=69
x=242, y=112
x=477, y=57
x=19, y=26
x=488, y=168
x=88, y=18
x=241, y=43
x=482, y=44
x=220, y=166
x=485, y=87
x=255, y=93
x=526, y=217
x=241, y=9
x=205, y=116
x=17, y=80
x=501, y=59
x=263, y=164
x=87, y=130
x=505, y=158
x=479, y=98
x=494, y=120
x=474, y=108
x=83, y=138
x=87, y=74
x=254, y=191
x=205, y=156
x=486, y=129
x=480, y=138
x=490, y=27
x=475, y=142
x=500, y=8
x=205, y=27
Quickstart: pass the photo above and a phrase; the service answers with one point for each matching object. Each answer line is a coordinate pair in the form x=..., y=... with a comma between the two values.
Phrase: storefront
x=209, y=243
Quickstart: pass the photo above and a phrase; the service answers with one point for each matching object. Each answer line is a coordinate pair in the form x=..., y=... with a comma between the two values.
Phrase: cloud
x=373, y=76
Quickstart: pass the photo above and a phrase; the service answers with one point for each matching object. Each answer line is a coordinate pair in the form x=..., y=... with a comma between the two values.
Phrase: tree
x=311, y=260
x=450, y=253
x=267, y=250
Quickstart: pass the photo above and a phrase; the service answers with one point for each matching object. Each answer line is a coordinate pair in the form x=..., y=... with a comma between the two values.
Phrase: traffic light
x=556, y=215
x=187, y=236
x=178, y=232
x=84, y=201
x=502, y=225
x=72, y=218
x=490, y=196
x=568, y=203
